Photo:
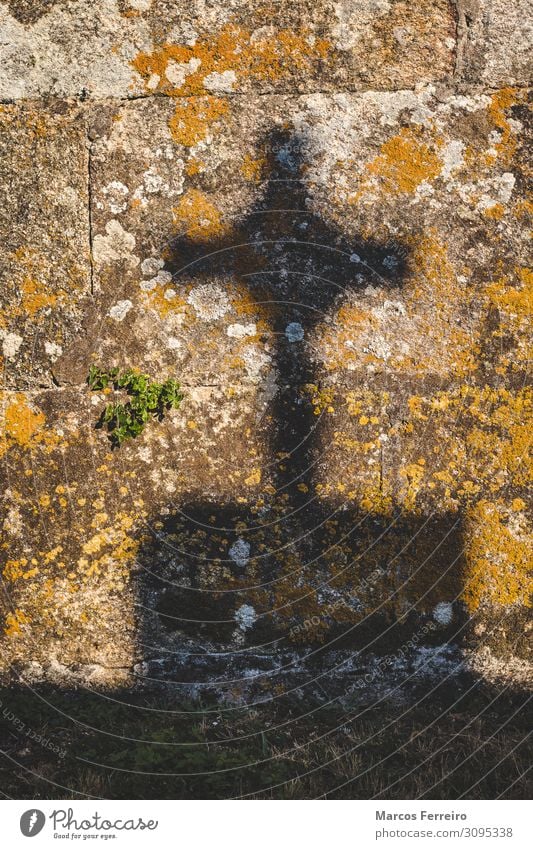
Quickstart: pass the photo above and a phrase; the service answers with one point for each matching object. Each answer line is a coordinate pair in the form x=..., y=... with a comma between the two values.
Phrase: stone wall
x=315, y=216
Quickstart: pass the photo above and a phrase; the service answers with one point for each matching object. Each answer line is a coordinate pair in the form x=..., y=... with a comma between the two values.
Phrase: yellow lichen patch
x=14, y=623
x=515, y=302
x=435, y=299
x=165, y=300
x=376, y=500
x=349, y=315
x=35, y=296
x=405, y=161
x=500, y=448
x=21, y=422
x=198, y=217
x=193, y=118
x=499, y=556
x=494, y=212
x=500, y=103
x=194, y=166
x=321, y=399
x=178, y=69
x=413, y=475
x=114, y=548
x=251, y=169
x=32, y=289
x=15, y=569
x=254, y=478
x=514, y=305
x=416, y=405
x=244, y=305
x=23, y=425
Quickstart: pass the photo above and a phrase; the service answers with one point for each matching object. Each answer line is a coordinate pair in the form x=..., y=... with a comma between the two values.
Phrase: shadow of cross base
x=229, y=588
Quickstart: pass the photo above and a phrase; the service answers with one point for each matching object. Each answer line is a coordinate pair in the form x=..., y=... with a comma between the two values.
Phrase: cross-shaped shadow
x=222, y=575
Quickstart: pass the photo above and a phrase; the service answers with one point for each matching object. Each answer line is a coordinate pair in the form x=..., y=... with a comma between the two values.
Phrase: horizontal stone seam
x=458, y=88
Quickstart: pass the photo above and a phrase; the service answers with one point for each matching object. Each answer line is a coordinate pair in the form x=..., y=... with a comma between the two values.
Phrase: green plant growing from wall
x=148, y=400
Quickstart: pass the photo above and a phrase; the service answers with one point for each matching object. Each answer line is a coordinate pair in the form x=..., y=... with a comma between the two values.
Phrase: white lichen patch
x=240, y=331
x=353, y=20
x=11, y=344
x=240, y=552
x=153, y=182
x=162, y=278
x=443, y=613
x=140, y=5
x=498, y=190
x=220, y=82
x=245, y=616
x=116, y=246
x=119, y=311
x=53, y=350
x=177, y=72
x=452, y=158
x=174, y=344
x=255, y=362
x=12, y=523
x=116, y=194
x=209, y=301
x=151, y=265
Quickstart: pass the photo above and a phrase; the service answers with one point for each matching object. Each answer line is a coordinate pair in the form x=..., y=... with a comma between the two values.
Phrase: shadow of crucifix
x=226, y=577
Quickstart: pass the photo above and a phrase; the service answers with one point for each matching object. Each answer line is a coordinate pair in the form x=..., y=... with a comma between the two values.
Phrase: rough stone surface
x=498, y=44
x=118, y=48
x=337, y=274
x=45, y=251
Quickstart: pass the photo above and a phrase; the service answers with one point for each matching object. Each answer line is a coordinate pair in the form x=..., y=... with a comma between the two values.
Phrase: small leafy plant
x=148, y=400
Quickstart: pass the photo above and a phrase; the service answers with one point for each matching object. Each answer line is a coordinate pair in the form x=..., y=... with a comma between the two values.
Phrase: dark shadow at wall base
x=464, y=739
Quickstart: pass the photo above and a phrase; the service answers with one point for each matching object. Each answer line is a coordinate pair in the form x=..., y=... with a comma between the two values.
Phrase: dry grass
x=475, y=749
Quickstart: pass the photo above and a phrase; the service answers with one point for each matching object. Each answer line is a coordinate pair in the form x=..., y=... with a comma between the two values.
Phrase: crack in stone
x=90, y=212
x=466, y=11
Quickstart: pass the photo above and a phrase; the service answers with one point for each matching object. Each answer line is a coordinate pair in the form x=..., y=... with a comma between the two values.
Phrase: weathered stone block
x=45, y=246
x=497, y=47
x=340, y=283
x=119, y=48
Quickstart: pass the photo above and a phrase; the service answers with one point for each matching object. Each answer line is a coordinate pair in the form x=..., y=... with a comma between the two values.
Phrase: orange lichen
x=499, y=554
x=193, y=118
x=431, y=327
x=321, y=399
x=502, y=448
x=405, y=161
x=349, y=316
x=15, y=569
x=178, y=69
x=109, y=551
x=194, y=166
x=376, y=500
x=502, y=101
x=159, y=300
x=33, y=292
x=516, y=302
x=251, y=169
x=443, y=299
x=21, y=423
x=14, y=623
x=413, y=474
x=198, y=217
x=494, y=212
x=35, y=296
